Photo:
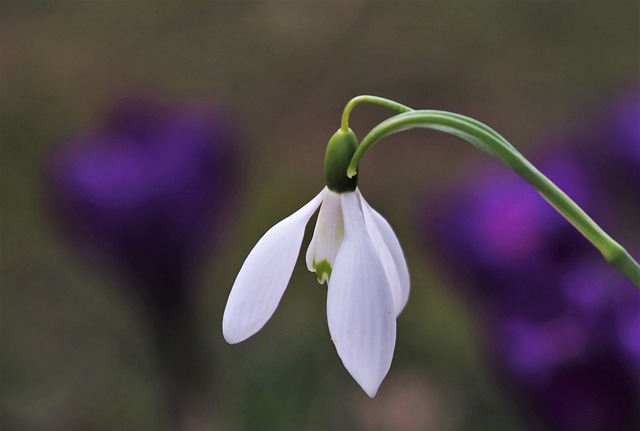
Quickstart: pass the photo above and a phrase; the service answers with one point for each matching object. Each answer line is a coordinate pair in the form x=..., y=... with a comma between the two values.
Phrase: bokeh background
x=78, y=354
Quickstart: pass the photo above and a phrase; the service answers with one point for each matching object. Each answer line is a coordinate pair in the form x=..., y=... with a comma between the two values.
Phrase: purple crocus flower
x=143, y=193
x=561, y=327
x=616, y=145
x=509, y=240
x=142, y=196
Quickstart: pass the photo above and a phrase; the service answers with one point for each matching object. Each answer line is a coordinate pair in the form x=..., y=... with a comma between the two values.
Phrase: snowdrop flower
x=354, y=250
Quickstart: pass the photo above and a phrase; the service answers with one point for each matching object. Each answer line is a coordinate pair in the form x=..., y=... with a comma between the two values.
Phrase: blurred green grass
x=74, y=354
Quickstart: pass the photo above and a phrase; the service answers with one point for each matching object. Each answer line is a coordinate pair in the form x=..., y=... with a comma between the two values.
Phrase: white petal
x=388, y=247
x=264, y=275
x=327, y=237
x=359, y=304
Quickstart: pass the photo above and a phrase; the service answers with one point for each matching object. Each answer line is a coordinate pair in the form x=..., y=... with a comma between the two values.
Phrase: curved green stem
x=387, y=103
x=486, y=139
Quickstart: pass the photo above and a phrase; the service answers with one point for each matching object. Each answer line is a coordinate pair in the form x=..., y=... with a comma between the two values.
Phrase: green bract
x=340, y=150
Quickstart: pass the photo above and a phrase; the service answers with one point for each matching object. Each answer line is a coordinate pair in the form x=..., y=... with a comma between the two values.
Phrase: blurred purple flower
x=618, y=142
x=143, y=193
x=511, y=241
x=562, y=327
x=144, y=196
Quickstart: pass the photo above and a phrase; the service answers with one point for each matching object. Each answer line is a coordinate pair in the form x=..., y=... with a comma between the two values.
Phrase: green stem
x=344, y=125
x=486, y=139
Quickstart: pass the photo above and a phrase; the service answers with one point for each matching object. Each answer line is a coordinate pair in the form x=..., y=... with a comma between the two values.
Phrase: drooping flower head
x=356, y=252
x=143, y=192
x=353, y=250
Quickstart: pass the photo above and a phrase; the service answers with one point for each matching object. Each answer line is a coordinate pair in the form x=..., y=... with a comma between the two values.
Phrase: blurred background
x=146, y=147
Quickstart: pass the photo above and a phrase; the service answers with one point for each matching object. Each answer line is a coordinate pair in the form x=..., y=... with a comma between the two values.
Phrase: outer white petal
x=359, y=304
x=327, y=237
x=264, y=275
x=388, y=247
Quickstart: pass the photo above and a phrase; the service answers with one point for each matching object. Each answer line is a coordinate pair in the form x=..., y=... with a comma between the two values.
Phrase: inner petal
x=327, y=237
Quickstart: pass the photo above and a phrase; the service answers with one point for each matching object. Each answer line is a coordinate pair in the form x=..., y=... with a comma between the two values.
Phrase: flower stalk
x=488, y=140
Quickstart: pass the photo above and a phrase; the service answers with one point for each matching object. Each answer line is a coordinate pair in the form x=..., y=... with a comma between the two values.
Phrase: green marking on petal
x=323, y=270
